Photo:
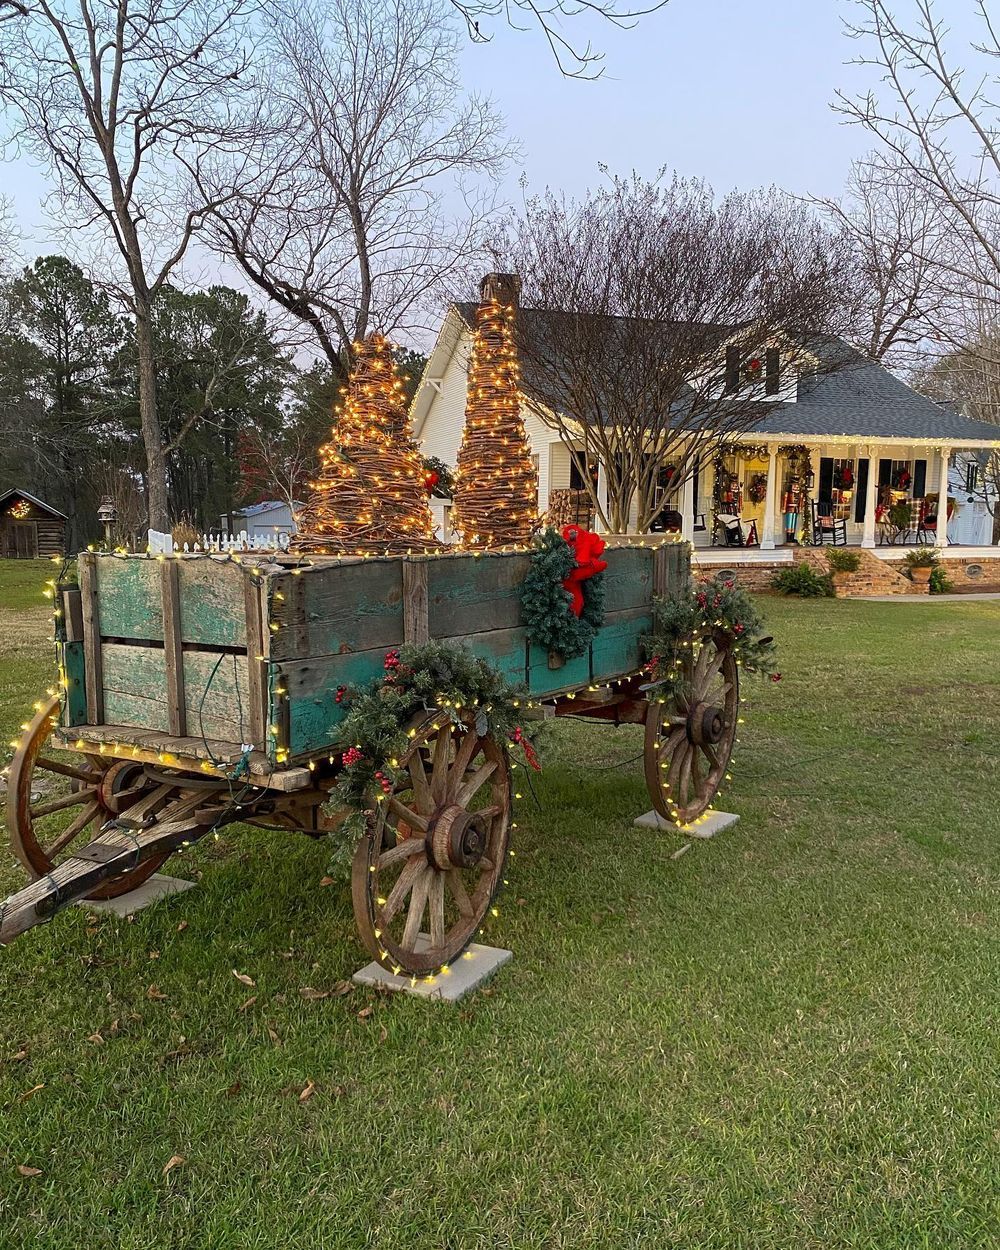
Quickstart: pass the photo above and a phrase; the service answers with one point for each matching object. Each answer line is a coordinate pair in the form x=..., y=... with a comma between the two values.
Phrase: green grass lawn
x=785, y=1037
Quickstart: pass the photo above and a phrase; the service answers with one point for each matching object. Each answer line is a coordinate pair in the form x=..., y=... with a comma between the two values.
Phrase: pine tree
x=496, y=485
x=369, y=497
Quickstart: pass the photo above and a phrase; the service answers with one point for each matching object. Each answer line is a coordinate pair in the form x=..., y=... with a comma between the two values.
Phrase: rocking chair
x=827, y=527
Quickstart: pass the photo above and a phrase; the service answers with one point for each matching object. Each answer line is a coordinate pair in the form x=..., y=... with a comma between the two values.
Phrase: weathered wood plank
x=74, y=673
x=415, y=617
x=173, y=659
x=91, y=638
x=333, y=608
x=616, y=650
x=124, y=708
x=474, y=594
x=213, y=607
x=313, y=712
x=254, y=597
x=72, y=619
x=628, y=580
x=543, y=680
x=505, y=649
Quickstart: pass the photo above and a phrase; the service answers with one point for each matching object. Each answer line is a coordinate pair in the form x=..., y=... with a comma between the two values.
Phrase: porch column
x=602, y=496
x=871, y=499
x=687, y=507
x=941, y=539
x=767, y=530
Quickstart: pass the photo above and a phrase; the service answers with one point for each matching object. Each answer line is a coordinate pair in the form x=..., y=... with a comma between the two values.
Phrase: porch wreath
x=562, y=597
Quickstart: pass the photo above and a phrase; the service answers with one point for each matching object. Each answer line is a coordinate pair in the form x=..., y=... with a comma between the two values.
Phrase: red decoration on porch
x=587, y=548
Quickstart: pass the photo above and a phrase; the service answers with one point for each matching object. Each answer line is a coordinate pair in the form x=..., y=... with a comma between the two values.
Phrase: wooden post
x=871, y=499
x=173, y=654
x=941, y=538
x=415, y=625
x=661, y=570
x=256, y=664
x=92, y=639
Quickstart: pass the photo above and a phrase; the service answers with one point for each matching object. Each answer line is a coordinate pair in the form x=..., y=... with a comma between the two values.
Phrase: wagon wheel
x=75, y=795
x=689, y=738
x=436, y=848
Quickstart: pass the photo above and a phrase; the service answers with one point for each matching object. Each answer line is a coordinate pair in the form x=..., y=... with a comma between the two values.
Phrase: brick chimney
x=505, y=288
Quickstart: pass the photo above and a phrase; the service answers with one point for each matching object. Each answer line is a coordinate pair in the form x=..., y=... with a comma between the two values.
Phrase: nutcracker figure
x=790, y=508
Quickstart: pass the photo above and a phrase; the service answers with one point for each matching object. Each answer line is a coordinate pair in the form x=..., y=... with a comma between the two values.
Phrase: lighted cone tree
x=496, y=486
x=369, y=497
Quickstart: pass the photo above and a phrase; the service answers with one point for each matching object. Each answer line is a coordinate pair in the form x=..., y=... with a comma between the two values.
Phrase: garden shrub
x=802, y=580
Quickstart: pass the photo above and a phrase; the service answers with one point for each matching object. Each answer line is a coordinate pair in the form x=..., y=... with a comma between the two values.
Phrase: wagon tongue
x=115, y=851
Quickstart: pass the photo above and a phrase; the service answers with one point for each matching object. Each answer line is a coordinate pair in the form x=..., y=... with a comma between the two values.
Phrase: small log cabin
x=29, y=528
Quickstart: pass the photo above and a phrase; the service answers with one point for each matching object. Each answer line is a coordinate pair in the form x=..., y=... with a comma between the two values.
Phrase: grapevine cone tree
x=369, y=497
x=496, y=487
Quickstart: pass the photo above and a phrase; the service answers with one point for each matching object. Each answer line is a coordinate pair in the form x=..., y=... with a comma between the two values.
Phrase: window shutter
x=732, y=369
x=919, y=479
x=772, y=371
x=884, y=473
x=826, y=479
x=862, y=488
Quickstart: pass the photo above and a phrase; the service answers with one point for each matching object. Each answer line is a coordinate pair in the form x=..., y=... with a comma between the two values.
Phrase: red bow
x=586, y=548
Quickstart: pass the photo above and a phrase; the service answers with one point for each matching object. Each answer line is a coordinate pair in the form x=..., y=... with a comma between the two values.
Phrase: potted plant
x=920, y=564
x=842, y=564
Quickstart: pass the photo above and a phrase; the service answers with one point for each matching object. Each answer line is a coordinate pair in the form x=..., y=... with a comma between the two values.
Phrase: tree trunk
x=152, y=435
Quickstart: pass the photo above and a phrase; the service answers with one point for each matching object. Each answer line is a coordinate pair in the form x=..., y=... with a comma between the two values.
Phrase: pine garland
x=545, y=604
x=496, y=485
x=370, y=497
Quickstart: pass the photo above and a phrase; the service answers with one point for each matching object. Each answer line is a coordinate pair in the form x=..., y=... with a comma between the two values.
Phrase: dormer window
x=772, y=371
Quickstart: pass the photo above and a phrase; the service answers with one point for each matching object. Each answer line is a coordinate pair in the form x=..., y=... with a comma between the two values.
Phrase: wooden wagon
x=198, y=690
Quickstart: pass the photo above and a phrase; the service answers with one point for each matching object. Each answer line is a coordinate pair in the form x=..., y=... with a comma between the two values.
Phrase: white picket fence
x=160, y=543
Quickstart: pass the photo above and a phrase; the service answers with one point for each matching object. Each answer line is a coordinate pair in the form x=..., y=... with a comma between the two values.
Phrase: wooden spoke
x=397, y=895
x=407, y=815
x=434, y=871
x=418, y=902
x=402, y=850
x=64, y=770
x=459, y=893
x=73, y=829
x=474, y=783
x=73, y=799
x=439, y=771
x=421, y=787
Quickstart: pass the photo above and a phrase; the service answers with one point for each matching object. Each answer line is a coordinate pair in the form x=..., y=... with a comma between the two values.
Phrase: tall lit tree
x=369, y=497
x=496, y=488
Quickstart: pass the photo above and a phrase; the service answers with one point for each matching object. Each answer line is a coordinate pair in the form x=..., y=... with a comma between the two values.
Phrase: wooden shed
x=29, y=528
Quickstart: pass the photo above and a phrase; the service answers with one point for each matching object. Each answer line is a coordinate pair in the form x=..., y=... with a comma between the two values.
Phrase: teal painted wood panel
x=132, y=709
x=332, y=608
x=628, y=579
x=128, y=596
x=217, y=697
x=474, y=594
x=312, y=686
x=617, y=650
x=75, y=691
x=543, y=680
x=213, y=604
x=505, y=649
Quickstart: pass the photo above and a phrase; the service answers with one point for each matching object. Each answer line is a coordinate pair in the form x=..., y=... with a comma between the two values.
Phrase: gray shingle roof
x=857, y=398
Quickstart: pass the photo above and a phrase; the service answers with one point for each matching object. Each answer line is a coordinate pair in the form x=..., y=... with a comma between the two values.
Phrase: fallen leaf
x=156, y=993
x=17, y=1056
x=680, y=850
x=383, y=1033
x=173, y=1162
x=30, y=1093
x=182, y=926
x=248, y=1004
x=96, y=1039
x=326, y=881
x=24, y=1170
x=365, y=1012
x=342, y=988
x=234, y=1089
x=311, y=995
x=307, y=1093
x=243, y=978
x=273, y=1036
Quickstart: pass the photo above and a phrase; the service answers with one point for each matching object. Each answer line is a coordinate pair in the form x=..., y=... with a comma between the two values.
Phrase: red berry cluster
x=384, y=782
x=351, y=756
x=341, y=692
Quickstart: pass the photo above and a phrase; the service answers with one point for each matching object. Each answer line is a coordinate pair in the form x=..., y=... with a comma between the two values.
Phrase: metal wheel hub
x=706, y=724
x=457, y=838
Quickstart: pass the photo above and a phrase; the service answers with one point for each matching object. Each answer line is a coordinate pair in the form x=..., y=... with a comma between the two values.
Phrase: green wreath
x=545, y=604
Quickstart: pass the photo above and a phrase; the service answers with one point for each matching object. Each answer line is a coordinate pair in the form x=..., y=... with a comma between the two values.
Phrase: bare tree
x=659, y=324
x=936, y=112
x=346, y=226
x=575, y=58
x=128, y=102
x=894, y=240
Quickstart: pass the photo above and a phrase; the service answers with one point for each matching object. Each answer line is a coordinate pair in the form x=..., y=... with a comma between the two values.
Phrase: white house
x=270, y=520
x=872, y=447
